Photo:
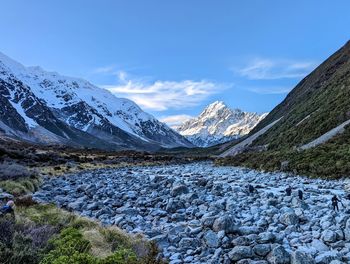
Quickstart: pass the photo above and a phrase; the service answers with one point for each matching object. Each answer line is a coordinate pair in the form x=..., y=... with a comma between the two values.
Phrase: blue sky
x=175, y=57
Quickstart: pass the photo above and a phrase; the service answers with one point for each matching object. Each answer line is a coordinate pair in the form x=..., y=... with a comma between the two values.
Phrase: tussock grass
x=104, y=245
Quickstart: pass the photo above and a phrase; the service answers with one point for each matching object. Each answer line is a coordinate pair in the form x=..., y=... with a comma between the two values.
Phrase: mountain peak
x=217, y=105
x=218, y=123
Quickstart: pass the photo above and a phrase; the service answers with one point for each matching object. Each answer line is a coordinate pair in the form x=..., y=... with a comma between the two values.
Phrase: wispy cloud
x=270, y=90
x=164, y=95
x=106, y=69
x=269, y=69
x=175, y=121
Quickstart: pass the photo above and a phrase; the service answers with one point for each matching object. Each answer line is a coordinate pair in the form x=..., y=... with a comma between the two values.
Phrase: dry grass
x=99, y=246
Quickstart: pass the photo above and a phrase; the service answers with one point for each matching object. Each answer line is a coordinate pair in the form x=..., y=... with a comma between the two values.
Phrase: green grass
x=319, y=103
x=329, y=160
x=21, y=186
x=66, y=238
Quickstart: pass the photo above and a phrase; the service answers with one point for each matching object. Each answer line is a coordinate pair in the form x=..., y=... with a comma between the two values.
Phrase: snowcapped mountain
x=44, y=106
x=218, y=124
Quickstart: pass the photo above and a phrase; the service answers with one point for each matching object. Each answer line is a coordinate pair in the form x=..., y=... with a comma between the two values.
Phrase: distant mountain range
x=308, y=132
x=45, y=107
x=218, y=124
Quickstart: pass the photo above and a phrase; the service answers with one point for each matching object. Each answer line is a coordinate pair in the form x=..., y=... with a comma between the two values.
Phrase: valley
x=199, y=213
x=174, y=132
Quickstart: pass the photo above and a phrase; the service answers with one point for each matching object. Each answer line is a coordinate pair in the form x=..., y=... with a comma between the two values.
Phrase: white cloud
x=175, y=120
x=268, y=69
x=164, y=95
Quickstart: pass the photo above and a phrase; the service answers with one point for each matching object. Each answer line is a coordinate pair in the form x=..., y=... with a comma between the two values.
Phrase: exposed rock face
x=215, y=222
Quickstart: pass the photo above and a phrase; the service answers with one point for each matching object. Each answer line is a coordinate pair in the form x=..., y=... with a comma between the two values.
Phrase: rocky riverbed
x=198, y=213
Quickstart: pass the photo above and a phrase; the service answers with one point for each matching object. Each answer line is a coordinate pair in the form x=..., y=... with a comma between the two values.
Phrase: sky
x=173, y=58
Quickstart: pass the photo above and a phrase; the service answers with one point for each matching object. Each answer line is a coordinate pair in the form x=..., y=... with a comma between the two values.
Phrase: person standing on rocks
x=289, y=191
x=8, y=209
x=251, y=188
x=300, y=194
x=335, y=201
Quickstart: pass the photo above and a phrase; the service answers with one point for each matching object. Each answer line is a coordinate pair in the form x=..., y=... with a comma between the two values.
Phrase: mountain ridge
x=312, y=135
x=78, y=105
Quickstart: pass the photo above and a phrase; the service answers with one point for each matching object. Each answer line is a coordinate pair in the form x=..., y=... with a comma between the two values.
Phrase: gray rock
x=327, y=257
x=94, y=206
x=179, y=189
x=76, y=205
x=279, y=255
x=208, y=221
x=4, y=195
x=240, y=252
x=211, y=239
x=240, y=241
x=329, y=236
x=284, y=165
x=319, y=245
x=226, y=223
x=173, y=205
x=262, y=249
x=336, y=262
x=248, y=230
x=187, y=243
x=266, y=237
x=299, y=257
x=128, y=211
x=289, y=219
x=161, y=240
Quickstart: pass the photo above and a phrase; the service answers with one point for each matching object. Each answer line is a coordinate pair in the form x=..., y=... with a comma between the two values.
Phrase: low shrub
x=7, y=229
x=25, y=201
x=13, y=171
x=22, y=244
x=70, y=247
x=121, y=256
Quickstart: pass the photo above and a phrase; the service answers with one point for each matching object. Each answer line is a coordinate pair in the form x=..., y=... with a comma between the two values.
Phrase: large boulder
x=179, y=189
x=329, y=236
x=240, y=252
x=319, y=246
x=299, y=257
x=211, y=239
x=279, y=256
x=266, y=237
x=189, y=243
x=226, y=223
x=77, y=205
x=289, y=218
x=262, y=249
x=208, y=220
x=248, y=230
x=327, y=257
x=174, y=205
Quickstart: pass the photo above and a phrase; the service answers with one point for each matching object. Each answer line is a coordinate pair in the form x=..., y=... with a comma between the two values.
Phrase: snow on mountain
x=85, y=107
x=218, y=124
